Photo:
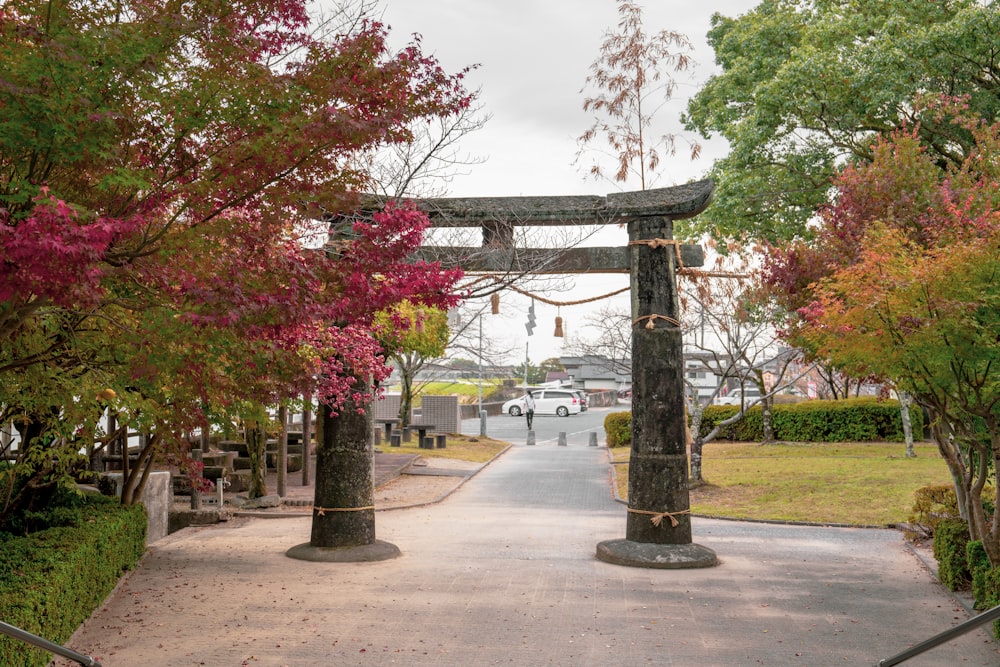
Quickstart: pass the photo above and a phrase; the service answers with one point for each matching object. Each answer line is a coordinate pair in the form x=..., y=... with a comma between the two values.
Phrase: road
x=547, y=428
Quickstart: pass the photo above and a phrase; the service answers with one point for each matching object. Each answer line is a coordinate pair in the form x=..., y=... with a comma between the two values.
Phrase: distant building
x=593, y=371
x=700, y=376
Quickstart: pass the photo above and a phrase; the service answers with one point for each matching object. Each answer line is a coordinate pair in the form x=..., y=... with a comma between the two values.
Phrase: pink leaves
x=54, y=256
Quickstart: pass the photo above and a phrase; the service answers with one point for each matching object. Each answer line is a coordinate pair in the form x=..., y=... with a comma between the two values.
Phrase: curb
x=258, y=514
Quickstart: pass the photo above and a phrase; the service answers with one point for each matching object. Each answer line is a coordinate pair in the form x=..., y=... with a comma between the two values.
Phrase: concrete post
x=562, y=438
x=482, y=423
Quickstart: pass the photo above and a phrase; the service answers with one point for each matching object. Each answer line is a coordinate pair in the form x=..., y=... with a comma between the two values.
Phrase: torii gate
x=658, y=526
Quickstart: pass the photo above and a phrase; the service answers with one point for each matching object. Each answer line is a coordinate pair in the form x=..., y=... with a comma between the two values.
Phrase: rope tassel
x=651, y=320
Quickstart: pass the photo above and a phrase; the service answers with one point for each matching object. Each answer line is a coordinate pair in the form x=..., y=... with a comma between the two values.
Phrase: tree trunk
x=306, y=439
x=344, y=512
x=953, y=459
x=256, y=452
x=405, y=396
x=282, y=456
x=696, y=444
x=134, y=483
x=766, y=408
x=904, y=413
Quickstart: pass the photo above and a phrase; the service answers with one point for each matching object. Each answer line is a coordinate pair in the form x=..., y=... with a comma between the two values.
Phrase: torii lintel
x=676, y=202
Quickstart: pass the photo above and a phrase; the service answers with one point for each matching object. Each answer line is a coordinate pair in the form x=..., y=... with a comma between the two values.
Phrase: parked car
x=582, y=395
x=560, y=402
x=744, y=396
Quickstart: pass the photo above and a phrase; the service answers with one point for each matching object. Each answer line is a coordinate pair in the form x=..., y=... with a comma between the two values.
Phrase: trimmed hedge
x=51, y=581
x=951, y=539
x=852, y=420
x=618, y=429
x=985, y=580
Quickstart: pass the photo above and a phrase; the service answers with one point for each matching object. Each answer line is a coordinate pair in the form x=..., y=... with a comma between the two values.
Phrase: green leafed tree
x=806, y=85
x=412, y=335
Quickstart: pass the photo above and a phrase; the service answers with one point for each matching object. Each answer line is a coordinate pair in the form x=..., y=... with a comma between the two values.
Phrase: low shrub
x=51, y=581
x=950, y=542
x=933, y=504
x=618, y=429
x=985, y=580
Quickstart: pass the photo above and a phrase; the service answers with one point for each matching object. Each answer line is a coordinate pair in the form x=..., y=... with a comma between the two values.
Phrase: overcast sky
x=533, y=59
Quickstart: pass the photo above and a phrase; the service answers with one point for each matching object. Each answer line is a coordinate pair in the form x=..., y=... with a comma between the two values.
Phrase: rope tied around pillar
x=321, y=511
x=651, y=324
x=662, y=243
x=657, y=517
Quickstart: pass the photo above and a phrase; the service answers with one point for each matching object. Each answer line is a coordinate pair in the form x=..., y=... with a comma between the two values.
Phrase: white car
x=745, y=396
x=559, y=402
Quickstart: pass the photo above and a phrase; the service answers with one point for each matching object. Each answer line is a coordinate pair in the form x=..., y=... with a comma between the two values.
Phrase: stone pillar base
x=365, y=553
x=658, y=556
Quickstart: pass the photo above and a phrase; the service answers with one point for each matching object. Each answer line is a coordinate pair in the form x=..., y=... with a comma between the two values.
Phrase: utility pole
x=530, y=327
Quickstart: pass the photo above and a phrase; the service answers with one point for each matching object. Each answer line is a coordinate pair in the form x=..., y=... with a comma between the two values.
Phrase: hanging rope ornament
x=559, y=327
x=495, y=303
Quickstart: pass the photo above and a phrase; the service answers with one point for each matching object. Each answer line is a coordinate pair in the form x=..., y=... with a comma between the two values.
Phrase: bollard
x=593, y=439
x=531, y=438
x=482, y=423
x=562, y=438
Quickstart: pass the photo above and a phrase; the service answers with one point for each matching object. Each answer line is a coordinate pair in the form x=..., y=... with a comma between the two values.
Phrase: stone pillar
x=658, y=524
x=343, y=525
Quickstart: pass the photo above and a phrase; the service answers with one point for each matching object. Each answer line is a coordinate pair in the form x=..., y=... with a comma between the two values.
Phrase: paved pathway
x=503, y=572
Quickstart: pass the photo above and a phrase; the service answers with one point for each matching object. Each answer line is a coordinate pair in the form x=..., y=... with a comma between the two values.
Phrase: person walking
x=529, y=408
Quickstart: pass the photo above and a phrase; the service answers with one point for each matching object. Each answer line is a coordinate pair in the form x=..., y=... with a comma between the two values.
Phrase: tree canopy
x=807, y=85
x=168, y=175
x=412, y=335
x=901, y=283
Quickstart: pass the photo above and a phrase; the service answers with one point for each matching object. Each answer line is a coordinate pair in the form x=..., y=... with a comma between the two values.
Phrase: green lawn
x=478, y=449
x=845, y=483
x=467, y=390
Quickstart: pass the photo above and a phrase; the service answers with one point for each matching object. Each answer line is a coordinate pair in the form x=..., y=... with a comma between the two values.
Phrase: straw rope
x=662, y=243
x=321, y=511
x=651, y=324
x=657, y=517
